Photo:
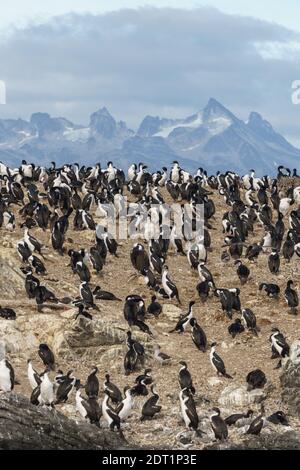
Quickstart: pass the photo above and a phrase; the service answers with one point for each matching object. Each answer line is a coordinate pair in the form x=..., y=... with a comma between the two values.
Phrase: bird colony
x=200, y=316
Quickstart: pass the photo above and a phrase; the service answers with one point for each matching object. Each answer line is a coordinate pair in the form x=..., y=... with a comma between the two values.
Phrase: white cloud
x=151, y=61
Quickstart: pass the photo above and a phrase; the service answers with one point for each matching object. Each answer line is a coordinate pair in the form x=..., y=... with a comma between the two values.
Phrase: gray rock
x=91, y=339
x=27, y=427
x=171, y=311
x=213, y=381
x=290, y=380
x=11, y=279
x=289, y=440
x=237, y=395
x=16, y=341
x=185, y=438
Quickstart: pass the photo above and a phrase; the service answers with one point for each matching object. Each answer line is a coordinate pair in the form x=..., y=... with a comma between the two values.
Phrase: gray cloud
x=151, y=61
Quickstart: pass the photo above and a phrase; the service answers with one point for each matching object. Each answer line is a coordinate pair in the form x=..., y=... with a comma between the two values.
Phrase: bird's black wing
x=219, y=363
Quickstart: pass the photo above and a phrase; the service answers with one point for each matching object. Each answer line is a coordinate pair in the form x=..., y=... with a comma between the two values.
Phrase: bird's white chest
x=106, y=416
x=47, y=392
x=79, y=405
x=5, y=383
x=127, y=405
x=31, y=378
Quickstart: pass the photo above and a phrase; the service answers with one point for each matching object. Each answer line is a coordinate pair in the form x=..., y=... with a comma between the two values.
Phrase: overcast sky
x=70, y=57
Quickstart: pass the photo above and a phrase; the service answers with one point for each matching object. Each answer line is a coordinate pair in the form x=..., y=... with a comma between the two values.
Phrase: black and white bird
x=65, y=387
x=32, y=242
x=217, y=362
x=130, y=360
x=134, y=308
x=168, y=285
x=188, y=409
x=249, y=320
x=86, y=295
x=24, y=251
x=196, y=253
x=140, y=387
x=139, y=258
x=280, y=347
x=288, y=247
x=145, y=377
x=154, y=308
x=151, y=407
x=243, y=271
x=157, y=260
x=96, y=258
x=204, y=273
x=274, y=262
x=218, y=425
x=253, y=251
x=272, y=290
x=109, y=414
x=7, y=376
x=176, y=240
x=88, y=408
x=257, y=424
x=236, y=328
x=92, y=384
x=83, y=313
x=83, y=271
x=47, y=356
x=161, y=357
x=112, y=391
x=203, y=288
x=279, y=417
x=7, y=313
x=111, y=244
x=47, y=395
x=291, y=297
x=184, y=321
x=234, y=418
x=101, y=294
x=256, y=379
x=198, y=335
x=33, y=376
x=137, y=347
x=124, y=408
x=37, y=264
x=185, y=378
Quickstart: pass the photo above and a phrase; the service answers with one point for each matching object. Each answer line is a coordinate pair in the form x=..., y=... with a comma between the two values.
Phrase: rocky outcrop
x=171, y=312
x=15, y=340
x=11, y=279
x=237, y=395
x=26, y=427
x=99, y=338
x=290, y=380
x=288, y=440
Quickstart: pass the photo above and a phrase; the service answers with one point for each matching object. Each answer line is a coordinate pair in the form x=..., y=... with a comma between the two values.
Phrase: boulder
x=290, y=379
x=14, y=340
x=28, y=427
x=237, y=395
x=171, y=312
x=109, y=358
x=213, y=381
x=280, y=440
x=94, y=339
x=11, y=279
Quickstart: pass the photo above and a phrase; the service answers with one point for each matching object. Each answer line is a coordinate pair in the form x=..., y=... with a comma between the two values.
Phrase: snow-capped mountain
x=213, y=138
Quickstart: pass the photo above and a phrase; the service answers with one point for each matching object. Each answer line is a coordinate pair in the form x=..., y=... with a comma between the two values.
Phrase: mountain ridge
x=213, y=138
